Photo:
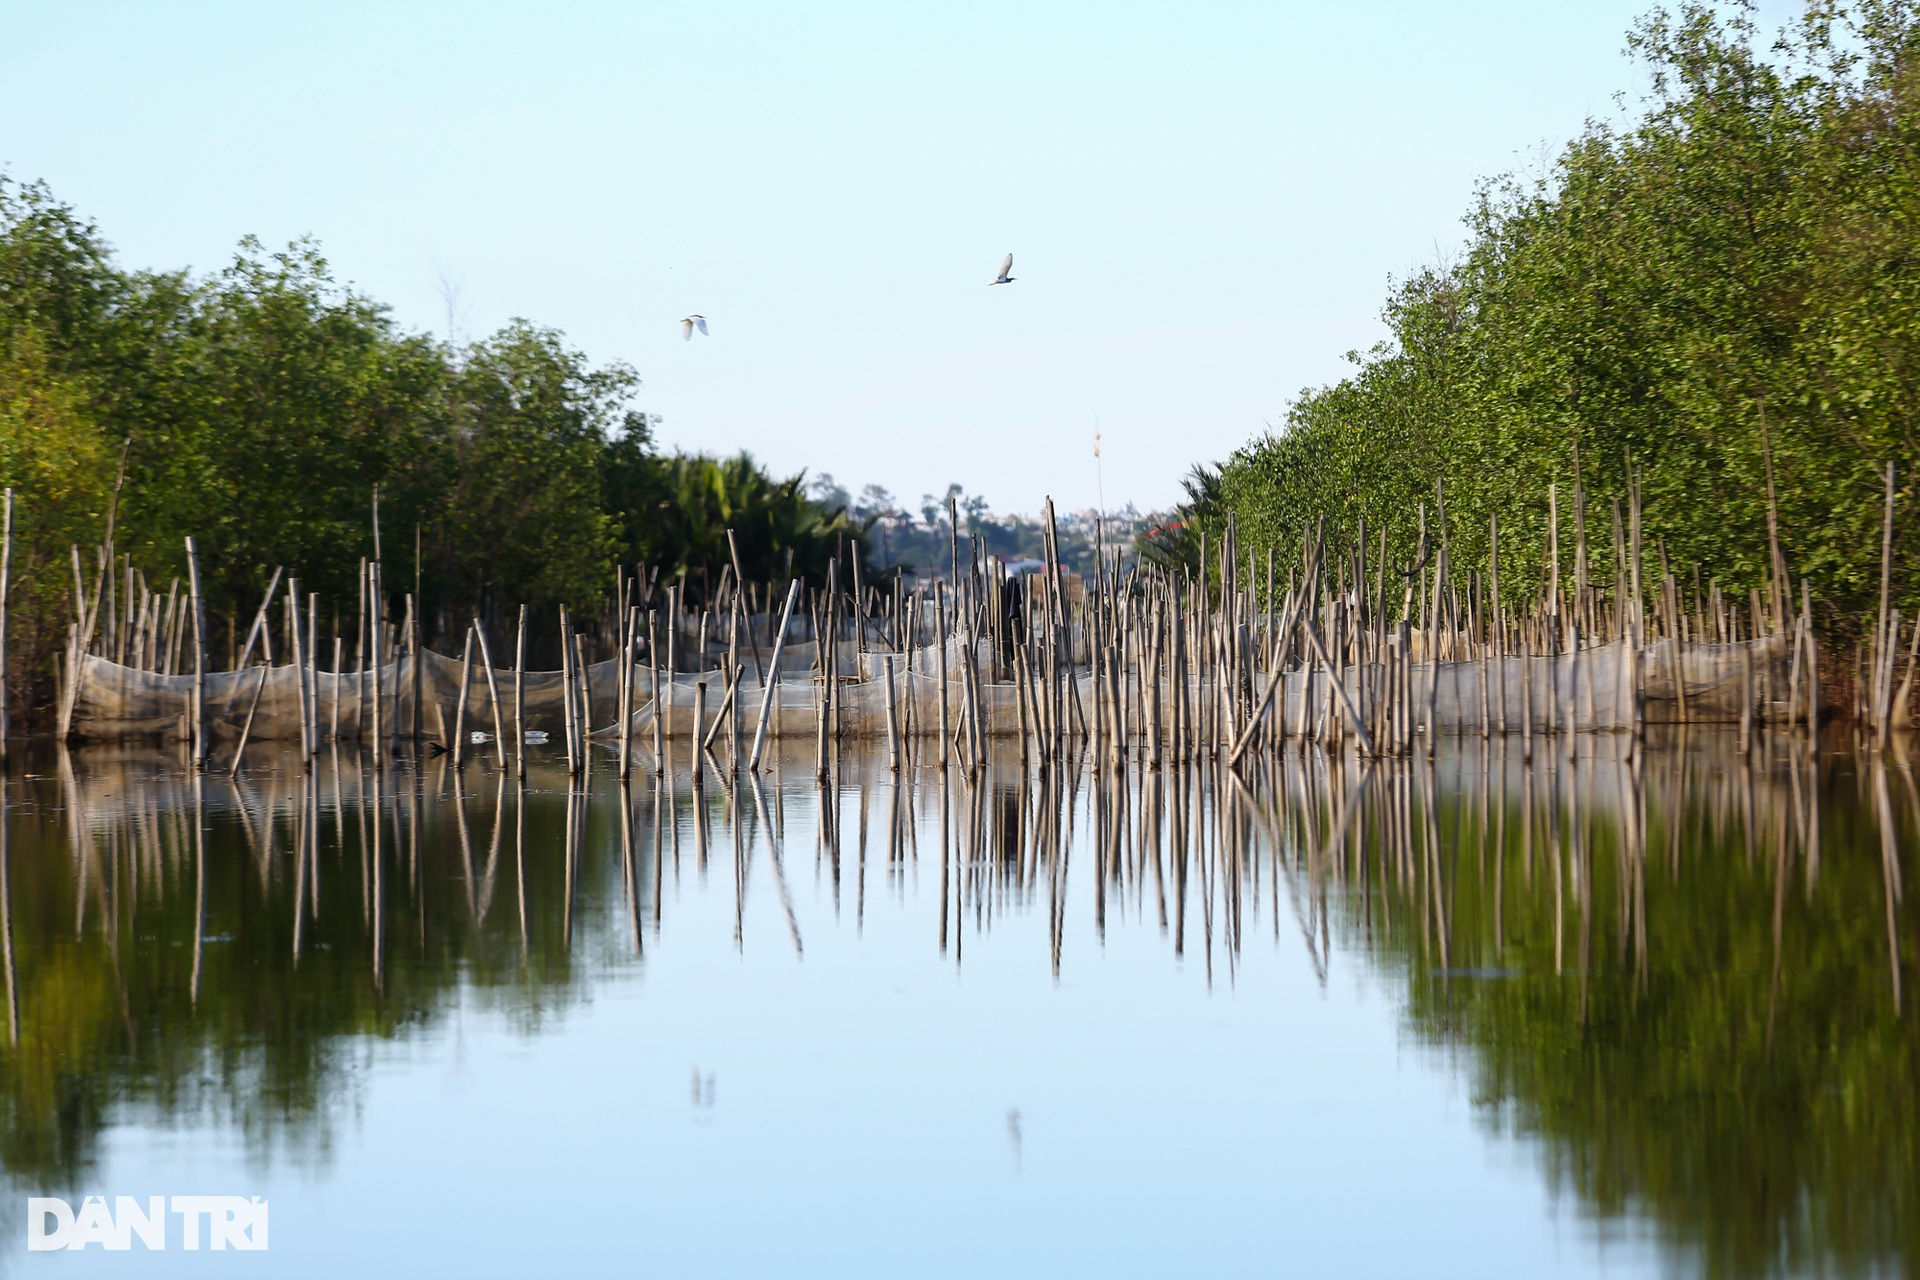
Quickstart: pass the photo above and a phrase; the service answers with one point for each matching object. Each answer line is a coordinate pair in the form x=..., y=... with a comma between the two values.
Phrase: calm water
x=1479, y=1017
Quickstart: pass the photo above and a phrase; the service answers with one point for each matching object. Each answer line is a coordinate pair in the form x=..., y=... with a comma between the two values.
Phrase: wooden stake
x=653, y=677
x=199, y=606
x=459, y=743
x=297, y=642
x=520, y=697
x=946, y=710
x=493, y=693
x=893, y=718
x=698, y=741
x=773, y=679
x=374, y=611
x=566, y=693
x=629, y=621
x=246, y=730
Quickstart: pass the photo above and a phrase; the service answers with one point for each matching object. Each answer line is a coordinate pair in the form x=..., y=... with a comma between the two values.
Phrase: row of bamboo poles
x=1141, y=662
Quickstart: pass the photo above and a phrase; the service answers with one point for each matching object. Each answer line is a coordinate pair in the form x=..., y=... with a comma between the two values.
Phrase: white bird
x=1006, y=269
x=689, y=323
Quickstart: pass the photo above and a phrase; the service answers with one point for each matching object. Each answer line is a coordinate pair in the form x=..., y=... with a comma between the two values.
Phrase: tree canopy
x=1726, y=287
x=258, y=408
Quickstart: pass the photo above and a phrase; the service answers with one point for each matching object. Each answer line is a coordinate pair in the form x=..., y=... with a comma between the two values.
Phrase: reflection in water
x=1681, y=977
x=1684, y=978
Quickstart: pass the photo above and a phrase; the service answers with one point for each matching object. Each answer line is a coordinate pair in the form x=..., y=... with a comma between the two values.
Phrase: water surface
x=1479, y=1015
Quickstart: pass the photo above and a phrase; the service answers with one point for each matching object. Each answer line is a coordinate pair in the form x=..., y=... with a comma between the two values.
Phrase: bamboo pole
x=772, y=685
x=520, y=697
x=629, y=620
x=1346, y=699
x=313, y=671
x=359, y=657
x=699, y=740
x=653, y=677
x=893, y=718
x=740, y=582
x=1525, y=637
x=259, y=627
x=414, y=665
x=246, y=729
x=493, y=692
x=199, y=607
x=333, y=730
x=583, y=681
x=971, y=668
x=459, y=743
x=823, y=627
x=946, y=709
x=566, y=695
x=298, y=643
x=377, y=643
x=722, y=717
x=673, y=634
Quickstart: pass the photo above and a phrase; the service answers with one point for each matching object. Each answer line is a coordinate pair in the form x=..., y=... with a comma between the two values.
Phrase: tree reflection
x=204, y=950
x=1681, y=977
x=1682, y=980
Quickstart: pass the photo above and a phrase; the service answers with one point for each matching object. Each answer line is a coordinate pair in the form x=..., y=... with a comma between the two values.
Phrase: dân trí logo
x=232, y=1222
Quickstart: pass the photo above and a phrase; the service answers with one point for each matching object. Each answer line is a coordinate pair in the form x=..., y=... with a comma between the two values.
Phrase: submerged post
x=520, y=697
x=374, y=633
x=893, y=718
x=298, y=643
x=653, y=678
x=199, y=704
x=772, y=684
x=459, y=744
x=628, y=622
x=493, y=692
x=413, y=647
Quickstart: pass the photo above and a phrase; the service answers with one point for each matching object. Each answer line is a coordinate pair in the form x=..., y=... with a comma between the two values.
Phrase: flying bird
x=689, y=323
x=1006, y=276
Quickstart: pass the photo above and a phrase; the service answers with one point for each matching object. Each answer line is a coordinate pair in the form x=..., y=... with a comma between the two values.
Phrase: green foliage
x=676, y=513
x=261, y=406
x=1177, y=544
x=1733, y=279
x=56, y=456
x=1705, y=1035
x=110, y=1018
x=289, y=398
x=524, y=520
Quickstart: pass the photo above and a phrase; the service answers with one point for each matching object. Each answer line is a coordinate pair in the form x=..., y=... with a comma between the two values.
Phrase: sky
x=1207, y=203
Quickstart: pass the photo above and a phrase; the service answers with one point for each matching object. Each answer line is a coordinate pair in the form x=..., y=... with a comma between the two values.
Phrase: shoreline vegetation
x=279, y=418
x=1697, y=329
x=289, y=425
x=1713, y=308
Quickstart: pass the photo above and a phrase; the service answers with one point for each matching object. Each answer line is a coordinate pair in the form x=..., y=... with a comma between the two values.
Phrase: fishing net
x=1592, y=688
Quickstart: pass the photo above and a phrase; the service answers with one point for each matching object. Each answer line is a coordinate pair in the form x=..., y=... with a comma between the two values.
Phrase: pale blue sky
x=1206, y=201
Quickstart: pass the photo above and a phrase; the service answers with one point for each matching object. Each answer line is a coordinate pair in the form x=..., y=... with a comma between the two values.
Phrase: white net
x=1591, y=688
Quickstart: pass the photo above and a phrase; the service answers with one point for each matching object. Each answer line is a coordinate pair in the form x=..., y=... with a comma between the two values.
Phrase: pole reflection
x=1681, y=970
